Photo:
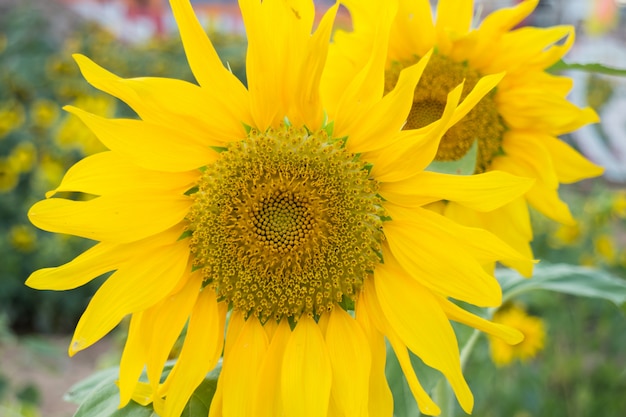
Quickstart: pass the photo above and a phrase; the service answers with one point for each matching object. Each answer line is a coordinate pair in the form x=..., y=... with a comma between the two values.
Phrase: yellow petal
x=369, y=301
x=133, y=359
x=415, y=149
x=268, y=401
x=200, y=352
x=483, y=192
x=508, y=334
x=206, y=65
x=527, y=151
x=119, y=218
x=443, y=265
x=171, y=102
x=278, y=34
x=309, y=110
x=306, y=372
x=506, y=19
x=413, y=312
x=541, y=196
x=350, y=359
x=101, y=258
x=412, y=32
x=454, y=18
x=132, y=288
x=380, y=402
x=240, y=372
x=235, y=324
x=170, y=317
x=571, y=166
x=110, y=173
x=151, y=146
x=367, y=131
x=366, y=87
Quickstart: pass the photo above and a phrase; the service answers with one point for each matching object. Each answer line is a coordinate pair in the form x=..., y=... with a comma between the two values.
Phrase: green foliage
x=566, y=279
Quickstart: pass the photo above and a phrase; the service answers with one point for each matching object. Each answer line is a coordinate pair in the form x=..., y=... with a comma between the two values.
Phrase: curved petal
x=413, y=312
x=170, y=102
x=200, y=352
x=368, y=130
x=482, y=192
x=380, y=400
x=206, y=64
x=444, y=265
x=278, y=41
x=240, y=373
x=572, y=166
x=412, y=32
x=110, y=173
x=306, y=371
x=350, y=359
x=169, y=319
x=132, y=288
x=120, y=218
x=133, y=358
x=268, y=401
x=151, y=146
x=369, y=300
x=508, y=334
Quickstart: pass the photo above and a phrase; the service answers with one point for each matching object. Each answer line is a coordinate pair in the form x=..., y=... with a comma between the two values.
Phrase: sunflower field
x=572, y=361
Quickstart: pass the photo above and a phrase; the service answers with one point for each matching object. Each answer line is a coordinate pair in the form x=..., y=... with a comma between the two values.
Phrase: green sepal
x=185, y=234
x=463, y=166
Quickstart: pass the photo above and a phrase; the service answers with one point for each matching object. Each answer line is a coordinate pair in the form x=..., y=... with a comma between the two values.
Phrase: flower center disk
x=483, y=123
x=286, y=222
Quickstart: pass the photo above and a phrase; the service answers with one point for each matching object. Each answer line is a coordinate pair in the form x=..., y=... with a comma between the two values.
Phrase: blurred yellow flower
x=23, y=156
x=618, y=206
x=44, y=113
x=9, y=175
x=605, y=248
x=566, y=235
x=532, y=328
x=23, y=237
x=515, y=127
x=11, y=117
x=274, y=200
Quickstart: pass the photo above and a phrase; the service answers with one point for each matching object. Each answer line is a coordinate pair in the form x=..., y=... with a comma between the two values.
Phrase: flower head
x=274, y=202
x=515, y=126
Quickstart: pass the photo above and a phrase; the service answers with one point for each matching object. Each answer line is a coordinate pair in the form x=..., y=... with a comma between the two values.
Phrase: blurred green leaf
x=79, y=392
x=567, y=279
x=98, y=395
x=463, y=166
x=592, y=67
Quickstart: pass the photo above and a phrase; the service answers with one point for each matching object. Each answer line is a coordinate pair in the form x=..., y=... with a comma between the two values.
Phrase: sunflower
x=515, y=127
x=260, y=220
x=534, y=332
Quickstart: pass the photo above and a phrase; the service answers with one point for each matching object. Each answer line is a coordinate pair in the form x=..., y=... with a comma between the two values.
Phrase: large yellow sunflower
x=515, y=126
x=271, y=202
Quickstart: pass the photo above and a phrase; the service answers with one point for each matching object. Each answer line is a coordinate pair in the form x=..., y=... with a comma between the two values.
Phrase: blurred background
x=581, y=369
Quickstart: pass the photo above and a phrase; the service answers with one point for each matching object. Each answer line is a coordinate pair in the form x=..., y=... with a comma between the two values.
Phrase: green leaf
x=98, y=395
x=79, y=392
x=567, y=279
x=200, y=401
x=592, y=67
x=463, y=166
x=104, y=400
